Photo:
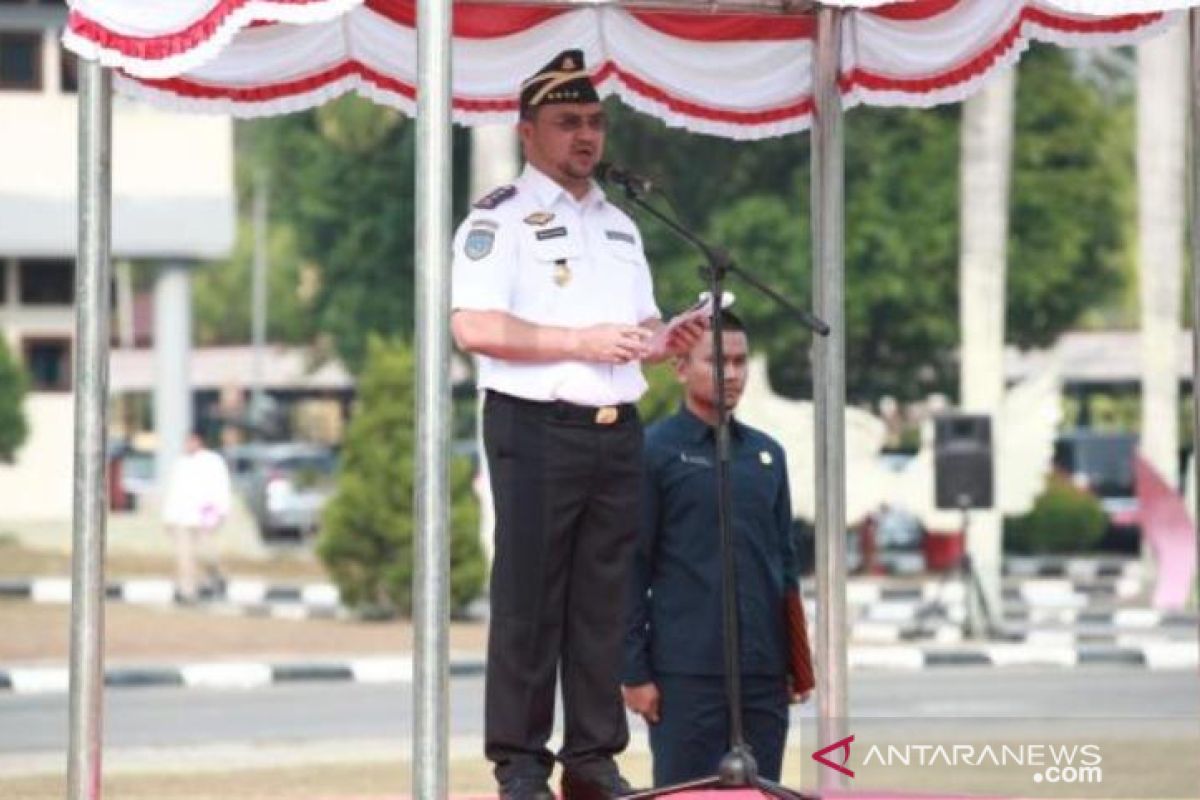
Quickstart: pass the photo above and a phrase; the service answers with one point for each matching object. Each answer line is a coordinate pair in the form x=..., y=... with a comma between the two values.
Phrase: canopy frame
x=431, y=584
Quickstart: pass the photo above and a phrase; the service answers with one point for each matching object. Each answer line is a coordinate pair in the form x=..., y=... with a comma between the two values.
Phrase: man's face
x=695, y=370
x=565, y=141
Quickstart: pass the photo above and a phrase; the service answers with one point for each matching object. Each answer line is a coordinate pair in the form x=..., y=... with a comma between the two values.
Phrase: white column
x=494, y=163
x=172, y=354
x=1161, y=148
x=987, y=134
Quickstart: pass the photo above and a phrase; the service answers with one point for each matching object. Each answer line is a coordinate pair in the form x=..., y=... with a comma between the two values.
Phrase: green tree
x=366, y=540
x=1072, y=180
x=344, y=180
x=1064, y=519
x=13, y=386
x=343, y=177
x=221, y=292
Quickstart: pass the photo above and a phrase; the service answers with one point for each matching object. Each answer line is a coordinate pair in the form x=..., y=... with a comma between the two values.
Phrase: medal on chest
x=562, y=273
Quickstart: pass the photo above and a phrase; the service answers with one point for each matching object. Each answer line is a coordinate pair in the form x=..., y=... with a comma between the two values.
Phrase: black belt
x=569, y=412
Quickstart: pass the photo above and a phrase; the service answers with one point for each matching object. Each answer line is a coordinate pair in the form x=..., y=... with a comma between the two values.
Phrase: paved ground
x=325, y=743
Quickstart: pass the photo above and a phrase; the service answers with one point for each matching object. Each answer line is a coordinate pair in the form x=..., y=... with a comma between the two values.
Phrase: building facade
x=173, y=209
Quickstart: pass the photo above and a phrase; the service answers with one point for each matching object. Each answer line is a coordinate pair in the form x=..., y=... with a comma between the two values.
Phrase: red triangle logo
x=843, y=744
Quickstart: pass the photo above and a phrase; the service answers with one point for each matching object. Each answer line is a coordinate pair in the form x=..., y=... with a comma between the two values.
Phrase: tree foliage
x=14, y=428
x=222, y=292
x=345, y=180
x=343, y=176
x=1064, y=519
x=1071, y=193
x=366, y=539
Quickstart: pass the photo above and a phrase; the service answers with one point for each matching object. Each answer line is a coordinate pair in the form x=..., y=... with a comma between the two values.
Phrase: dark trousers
x=693, y=729
x=567, y=493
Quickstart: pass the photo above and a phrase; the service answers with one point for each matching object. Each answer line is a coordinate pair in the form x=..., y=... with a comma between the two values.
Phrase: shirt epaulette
x=496, y=197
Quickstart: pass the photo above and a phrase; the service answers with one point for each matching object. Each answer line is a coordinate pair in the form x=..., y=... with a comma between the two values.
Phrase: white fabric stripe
x=1115, y=7
x=719, y=76
x=226, y=675
x=119, y=15
x=763, y=74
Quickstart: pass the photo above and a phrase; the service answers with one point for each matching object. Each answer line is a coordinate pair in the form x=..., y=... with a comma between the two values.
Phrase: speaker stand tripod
x=972, y=593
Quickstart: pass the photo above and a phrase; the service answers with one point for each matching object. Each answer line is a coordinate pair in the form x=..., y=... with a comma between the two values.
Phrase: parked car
x=1102, y=463
x=286, y=485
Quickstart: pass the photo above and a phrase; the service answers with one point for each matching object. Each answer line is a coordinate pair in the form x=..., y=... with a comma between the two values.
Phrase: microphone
x=629, y=181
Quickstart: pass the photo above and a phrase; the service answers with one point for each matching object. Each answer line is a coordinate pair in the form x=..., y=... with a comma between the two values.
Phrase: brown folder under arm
x=799, y=653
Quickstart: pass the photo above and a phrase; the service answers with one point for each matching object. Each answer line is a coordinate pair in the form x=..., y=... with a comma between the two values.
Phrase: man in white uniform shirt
x=552, y=290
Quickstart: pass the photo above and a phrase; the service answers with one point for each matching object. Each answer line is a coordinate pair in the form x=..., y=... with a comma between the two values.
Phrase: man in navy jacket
x=674, y=661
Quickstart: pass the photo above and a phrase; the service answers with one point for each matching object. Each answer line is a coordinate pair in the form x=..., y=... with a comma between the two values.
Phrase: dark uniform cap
x=563, y=80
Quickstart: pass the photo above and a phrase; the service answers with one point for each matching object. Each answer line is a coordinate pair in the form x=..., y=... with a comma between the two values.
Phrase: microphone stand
x=738, y=769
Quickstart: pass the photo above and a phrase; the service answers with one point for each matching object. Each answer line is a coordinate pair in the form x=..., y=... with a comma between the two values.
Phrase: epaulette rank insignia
x=496, y=197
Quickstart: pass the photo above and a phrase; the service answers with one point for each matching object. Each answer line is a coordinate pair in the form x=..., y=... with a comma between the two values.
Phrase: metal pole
x=1193, y=139
x=92, y=329
x=258, y=311
x=431, y=583
x=829, y=386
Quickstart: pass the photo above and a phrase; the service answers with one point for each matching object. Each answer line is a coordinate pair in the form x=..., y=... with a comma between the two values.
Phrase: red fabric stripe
x=1067, y=24
x=981, y=62
x=697, y=111
x=262, y=94
x=473, y=21
x=914, y=9
x=159, y=47
x=728, y=27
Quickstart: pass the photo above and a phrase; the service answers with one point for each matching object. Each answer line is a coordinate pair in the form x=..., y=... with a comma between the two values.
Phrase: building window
x=47, y=281
x=49, y=364
x=68, y=81
x=20, y=61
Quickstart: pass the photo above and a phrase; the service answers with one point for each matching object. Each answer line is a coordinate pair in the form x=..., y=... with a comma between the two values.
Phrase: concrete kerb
x=245, y=675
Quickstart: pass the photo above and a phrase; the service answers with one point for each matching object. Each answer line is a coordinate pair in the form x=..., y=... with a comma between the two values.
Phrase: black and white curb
x=243, y=675
x=242, y=592
x=233, y=675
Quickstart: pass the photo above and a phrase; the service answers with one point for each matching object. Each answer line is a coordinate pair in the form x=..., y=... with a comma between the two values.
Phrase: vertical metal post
x=1193, y=140
x=258, y=311
x=829, y=385
x=431, y=583
x=92, y=329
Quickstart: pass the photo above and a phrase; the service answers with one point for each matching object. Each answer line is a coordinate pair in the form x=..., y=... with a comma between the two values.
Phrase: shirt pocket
x=550, y=271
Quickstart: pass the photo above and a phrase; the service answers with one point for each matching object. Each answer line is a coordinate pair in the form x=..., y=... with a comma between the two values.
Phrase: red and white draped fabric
x=736, y=74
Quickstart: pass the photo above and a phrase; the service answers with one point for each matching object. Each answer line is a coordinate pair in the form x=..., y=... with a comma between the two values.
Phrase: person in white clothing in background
x=196, y=504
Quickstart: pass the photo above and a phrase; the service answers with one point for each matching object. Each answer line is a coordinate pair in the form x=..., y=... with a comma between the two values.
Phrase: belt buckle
x=606, y=415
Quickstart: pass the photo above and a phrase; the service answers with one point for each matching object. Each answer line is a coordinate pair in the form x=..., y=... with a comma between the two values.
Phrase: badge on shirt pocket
x=562, y=273
x=479, y=243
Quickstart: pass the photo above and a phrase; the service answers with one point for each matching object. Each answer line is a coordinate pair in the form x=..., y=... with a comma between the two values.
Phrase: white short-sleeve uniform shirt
x=534, y=251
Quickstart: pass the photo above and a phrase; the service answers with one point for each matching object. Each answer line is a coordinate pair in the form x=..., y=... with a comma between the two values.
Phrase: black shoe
x=604, y=786
x=525, y=789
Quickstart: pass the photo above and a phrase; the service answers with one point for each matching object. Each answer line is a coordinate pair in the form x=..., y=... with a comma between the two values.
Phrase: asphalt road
x=297, y=714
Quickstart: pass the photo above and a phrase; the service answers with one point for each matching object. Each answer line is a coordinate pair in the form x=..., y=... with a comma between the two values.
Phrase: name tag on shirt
x=620, y=236
x=551, y=233
x=698, y=461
